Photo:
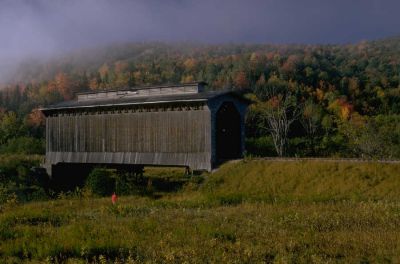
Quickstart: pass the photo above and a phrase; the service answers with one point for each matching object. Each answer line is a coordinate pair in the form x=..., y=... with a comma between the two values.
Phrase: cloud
x=42, y=28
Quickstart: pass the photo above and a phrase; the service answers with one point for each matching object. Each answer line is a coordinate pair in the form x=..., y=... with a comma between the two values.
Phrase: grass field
x=246, y=212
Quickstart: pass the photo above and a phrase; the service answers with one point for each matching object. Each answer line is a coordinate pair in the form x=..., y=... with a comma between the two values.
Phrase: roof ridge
x=135, y=88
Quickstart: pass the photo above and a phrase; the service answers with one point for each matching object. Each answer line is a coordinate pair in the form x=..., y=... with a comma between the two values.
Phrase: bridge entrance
x=228, y=132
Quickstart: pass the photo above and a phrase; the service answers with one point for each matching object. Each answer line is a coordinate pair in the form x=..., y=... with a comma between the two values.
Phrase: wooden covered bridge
x=178, y=125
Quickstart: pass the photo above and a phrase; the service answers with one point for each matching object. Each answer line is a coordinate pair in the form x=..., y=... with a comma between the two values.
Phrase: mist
x=44, y=28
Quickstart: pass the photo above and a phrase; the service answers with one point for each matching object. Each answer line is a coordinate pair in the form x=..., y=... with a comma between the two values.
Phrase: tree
x=10, y=127
x=104, y=72
x=189, y=64
x=373, y=137
x=311, y=118
x=121, y=73
x=240, y=80
x=65, y=85
x=35, y=122
x=187, y=78
x=277, y=112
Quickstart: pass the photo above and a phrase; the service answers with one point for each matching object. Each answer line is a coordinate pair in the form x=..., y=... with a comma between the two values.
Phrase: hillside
x=277, y=181
x=350, y=70
x=338, y=97
x=247, y=212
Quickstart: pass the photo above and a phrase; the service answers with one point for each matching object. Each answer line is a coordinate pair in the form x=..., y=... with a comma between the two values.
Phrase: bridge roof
x=155, y=99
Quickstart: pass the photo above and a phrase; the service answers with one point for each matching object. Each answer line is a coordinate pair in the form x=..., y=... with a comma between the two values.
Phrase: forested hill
x=362, y=72
x=330, y=83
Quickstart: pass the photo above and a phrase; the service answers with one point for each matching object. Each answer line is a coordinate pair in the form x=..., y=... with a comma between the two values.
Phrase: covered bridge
x=179, y=125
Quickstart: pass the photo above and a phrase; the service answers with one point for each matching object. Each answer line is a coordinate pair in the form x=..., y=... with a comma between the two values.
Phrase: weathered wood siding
x=149, y=136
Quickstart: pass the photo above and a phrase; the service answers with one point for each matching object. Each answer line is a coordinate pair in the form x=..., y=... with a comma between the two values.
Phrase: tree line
x=309, y=100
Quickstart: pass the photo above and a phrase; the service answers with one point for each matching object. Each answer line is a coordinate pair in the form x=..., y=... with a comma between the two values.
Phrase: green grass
x=246, y=212
x=306, y=181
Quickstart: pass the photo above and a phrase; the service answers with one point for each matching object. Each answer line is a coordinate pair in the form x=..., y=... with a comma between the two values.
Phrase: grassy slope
x=254, y=211
x=306, y=180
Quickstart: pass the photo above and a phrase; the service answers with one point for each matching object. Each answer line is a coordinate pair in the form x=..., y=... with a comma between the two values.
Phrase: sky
x=35, y=28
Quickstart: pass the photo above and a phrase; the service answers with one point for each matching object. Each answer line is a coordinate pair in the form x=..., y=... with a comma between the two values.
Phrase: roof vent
x=188, y=88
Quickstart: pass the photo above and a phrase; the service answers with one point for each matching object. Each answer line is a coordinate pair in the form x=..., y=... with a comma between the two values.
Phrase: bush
x=101, y=181
x=126, y=184
x=24, y=145
x=5, y=194
x=16, y=168
x=261, y=146
x=18, y=178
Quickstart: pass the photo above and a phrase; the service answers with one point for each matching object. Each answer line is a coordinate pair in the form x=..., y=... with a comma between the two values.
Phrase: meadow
x=252, y=211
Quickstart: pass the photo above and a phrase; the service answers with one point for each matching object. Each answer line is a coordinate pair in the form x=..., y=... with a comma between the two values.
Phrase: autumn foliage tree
x=65, y=86
x=277, y=109
x=333, y=82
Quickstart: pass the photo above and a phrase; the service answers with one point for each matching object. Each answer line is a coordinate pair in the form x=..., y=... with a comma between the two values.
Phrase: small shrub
x=224, y=236
x=193, y=184
x=24, y=145
x=17, y=176
x=226, y=199
x=261, y=146
x=127, y=184
x=101, y=181
x=7, y=198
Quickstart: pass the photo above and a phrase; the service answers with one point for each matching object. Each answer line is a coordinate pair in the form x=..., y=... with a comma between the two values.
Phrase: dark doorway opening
x=228, y=132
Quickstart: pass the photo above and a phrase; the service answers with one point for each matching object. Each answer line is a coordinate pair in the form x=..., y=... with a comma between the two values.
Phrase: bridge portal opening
x=228, y=132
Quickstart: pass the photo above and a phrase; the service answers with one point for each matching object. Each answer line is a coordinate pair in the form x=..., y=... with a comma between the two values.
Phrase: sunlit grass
x=247, y=212
x=306, y=180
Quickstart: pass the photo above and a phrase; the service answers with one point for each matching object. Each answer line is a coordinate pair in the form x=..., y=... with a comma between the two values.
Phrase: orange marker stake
x=114, y=198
